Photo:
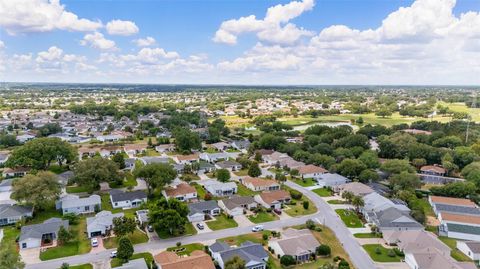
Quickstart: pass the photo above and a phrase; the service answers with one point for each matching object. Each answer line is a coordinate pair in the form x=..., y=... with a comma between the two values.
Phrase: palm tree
x=357, y=202
x=347, y=196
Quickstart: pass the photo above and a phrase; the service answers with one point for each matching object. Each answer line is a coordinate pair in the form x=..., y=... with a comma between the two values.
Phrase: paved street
x=325, y=215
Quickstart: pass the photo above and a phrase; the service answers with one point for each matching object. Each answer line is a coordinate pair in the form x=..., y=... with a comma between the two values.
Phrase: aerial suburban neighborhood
x=261, y=134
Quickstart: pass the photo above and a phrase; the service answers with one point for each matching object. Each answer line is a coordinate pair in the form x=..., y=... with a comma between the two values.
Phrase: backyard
x=350, y=218
x=221, y=222
x=379, y=253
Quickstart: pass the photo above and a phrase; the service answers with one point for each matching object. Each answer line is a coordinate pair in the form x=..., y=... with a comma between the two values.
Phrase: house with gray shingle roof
x=134, y=264
x=394, y=219
x=235, y=205
x=11, y=214
x=128, y=199
x=470, y=248
x=76, y=205
x=32, y=236
x=101, y=224
x=300, y=244
x=198, y=211
x=217, y=188
x=253, y=254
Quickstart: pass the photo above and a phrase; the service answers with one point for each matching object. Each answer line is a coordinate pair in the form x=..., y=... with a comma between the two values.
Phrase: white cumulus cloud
x=21, y=16
x=145, y=42
x=98, y=41
x=123, y=28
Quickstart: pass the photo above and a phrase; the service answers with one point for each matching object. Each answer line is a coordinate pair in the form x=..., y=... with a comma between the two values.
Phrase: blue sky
x=302, y=42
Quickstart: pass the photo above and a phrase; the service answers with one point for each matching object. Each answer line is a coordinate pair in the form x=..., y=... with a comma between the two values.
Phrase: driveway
x=242, y=221
x=206, y=229
x=100, y=246
x=31, y=255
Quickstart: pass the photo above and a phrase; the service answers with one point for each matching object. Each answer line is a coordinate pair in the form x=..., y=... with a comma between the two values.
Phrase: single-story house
x=196, y=260
x=470, y=248
x=187, y=159
x=220, y=146
x=128, y=199
x=300, y=244
x=241, y=144
x=181, y=192
x=460, y=226
x=260, y=184
x=15, y=172
x=165, y=148
x=253, y=254
x=65, y=177
x=11, y=214
x=217, y=188
x=214, y=157
x=273, y=199
x=134, y=149
x=130, y=164
x=206, y=167
x=154, y=159
x=234, y=206
x=331, y=180
x=274, y=157
x=433, y=170
x=110, y=138
x=414, y=240
x=139, y=263
x=356, y=188
x=432, y=258
x=198, y=211
x=101, y=224
x=32, y=236
x=393, y=219
x=457, y=203
x=24, y=138
x=311, y=171
x=229, y=165
x=73, y=204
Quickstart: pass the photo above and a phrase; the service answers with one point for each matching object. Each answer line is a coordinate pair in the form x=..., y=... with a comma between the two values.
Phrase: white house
x=101, y=224
x=76, y=205
x=181, y=192
x=311, y=171
x=32, y=236
x=234, y=206
x=129, y=199
x=470, y=248
x=199, y=211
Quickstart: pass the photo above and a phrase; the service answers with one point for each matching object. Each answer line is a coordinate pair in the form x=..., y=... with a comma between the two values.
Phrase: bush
x=72, y=218
x=378, y=251
x=306, y=204
x=323, y=250
x=391, y=253
x=296, y=194
x=318, y=229
x=398, y=252
x=310, y=224
x=179, y=244
x=343, y=264
x=287, y=260
x=265, y=236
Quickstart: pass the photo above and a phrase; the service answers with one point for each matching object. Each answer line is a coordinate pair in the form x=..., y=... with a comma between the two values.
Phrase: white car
x=94, y=242
x=257, y=228
x=113, y=254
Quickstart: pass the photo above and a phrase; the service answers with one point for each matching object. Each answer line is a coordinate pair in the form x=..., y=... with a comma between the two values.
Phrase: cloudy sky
x=241, y=41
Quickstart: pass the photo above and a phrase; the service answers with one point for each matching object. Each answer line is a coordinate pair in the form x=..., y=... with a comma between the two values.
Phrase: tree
x=186, y=140
x=64, y=236
x=41, y=152
x=65, y=266
x=396, y=166
x=49, y=128
x=323, y=250
x=254, y=170
x=287, y=260
x=156, y=175
x=125, y=249
x=357, y=202
x=40, y=190
x=119, y=159
x=305, y=204
x=223, y=175
x=368, y=175
x=235, y=263
x=347, y=196
x=455, y=189
x=419, y=162
x=405, y=181
x=280, y=177
x=9, y=257
x=169, y=215
x=384, y=112
x=351, y=168
x=7, y=140
x=370, y=159
x=123, y=226
x=91, y=172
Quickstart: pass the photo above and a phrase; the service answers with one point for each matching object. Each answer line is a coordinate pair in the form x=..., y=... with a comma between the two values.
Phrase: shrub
x=323, y=250
x=318, y=229
x=72, y=218
x=296, y=194
x=179, y=244
x=306, y=204
x=391, y=253
x=265, y=236
x=398, y=252
x=343, y=264
x=378, y=251
x=287, y=260
x=310, y=224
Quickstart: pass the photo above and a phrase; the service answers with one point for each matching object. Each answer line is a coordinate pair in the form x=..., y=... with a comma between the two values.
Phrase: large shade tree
x=91, y=172
x=40, y=190
x=156, y=175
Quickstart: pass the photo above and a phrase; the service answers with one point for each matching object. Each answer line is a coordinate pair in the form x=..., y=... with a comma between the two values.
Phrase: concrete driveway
x=206, y=229
x=242, y=221
x=31, y=255
x=100, y=246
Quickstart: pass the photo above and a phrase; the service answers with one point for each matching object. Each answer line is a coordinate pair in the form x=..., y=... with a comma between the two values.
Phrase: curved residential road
x=325, y=215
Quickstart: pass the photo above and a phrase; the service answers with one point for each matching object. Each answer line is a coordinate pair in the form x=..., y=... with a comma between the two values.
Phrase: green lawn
x=263, y=217
x=79, y=245
x=129, y=181
x=137, y=237
x=82, y=266
x=323, y=192
x=336, y=202
x=383, y=256
x=296, y=209
x=221, y=222
x=367, y=235
x=306, y=182
x=241, y=173
x=200, y=191
x=77, y=189
x=350, y=218
x=244, y=191
x=189, y=230
x=41, y=216
x=456, y=254
x=238, y=240
x=115, y=262
x=186, y=249
x=106, y=205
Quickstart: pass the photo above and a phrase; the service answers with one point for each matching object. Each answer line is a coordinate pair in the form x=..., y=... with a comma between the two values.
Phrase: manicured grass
x=296, y=208
x=41, y=216
x=253, y=237
x=129, y=181
x=350, y=218
x=106, y=205
x=10, y=234
x=241, y=173
x=455, y=253
x=200, y=191
x=427, y=208
x=383, y=256
x=76, y=189
x=137, y=237
x=323, y=192
x=79, y=245
x=367, y=235
x=82, y=266
x=336, y=202
x=115, y=262
x=244, y=191
x=306, y=182
x=189, y=230
x=263, y=217
x=221, y=222
x=186, y=249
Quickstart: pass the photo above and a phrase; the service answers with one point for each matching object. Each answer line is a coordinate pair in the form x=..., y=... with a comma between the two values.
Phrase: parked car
x=94, y=242
x=257, y=228
x=150, y=228
x=277, y=211
x=113, y=254
x=200, y=226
